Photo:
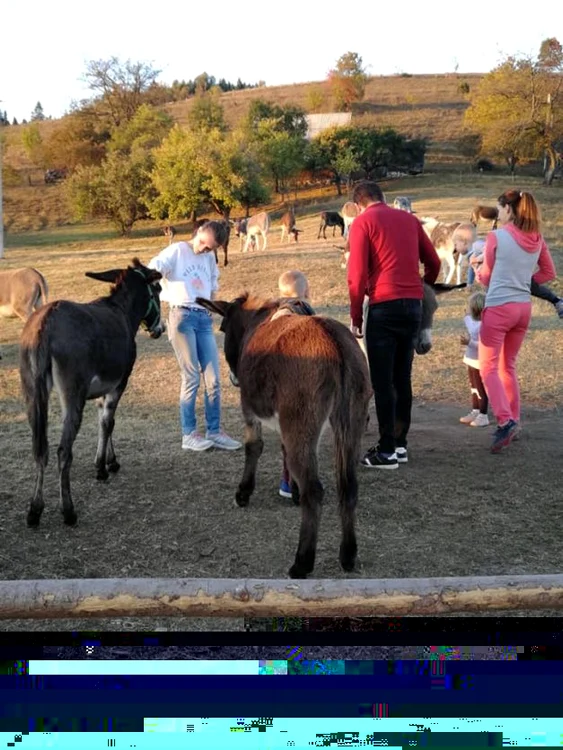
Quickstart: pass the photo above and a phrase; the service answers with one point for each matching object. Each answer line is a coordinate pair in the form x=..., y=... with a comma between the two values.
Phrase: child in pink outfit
x=511, y=255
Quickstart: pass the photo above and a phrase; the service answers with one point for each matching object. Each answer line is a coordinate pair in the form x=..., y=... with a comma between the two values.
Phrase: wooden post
x=227, y=597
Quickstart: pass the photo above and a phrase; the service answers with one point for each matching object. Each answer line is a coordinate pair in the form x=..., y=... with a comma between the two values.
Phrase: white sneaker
x=223, y=441
x=194, y=442
x=402, y=455
x=481, y=420
x=469, y=417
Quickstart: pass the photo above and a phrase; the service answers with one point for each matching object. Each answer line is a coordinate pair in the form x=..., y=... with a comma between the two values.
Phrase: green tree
x=177, y=175
x=207, y=113
x=33, y=144
x=348, y=81
x=282, y=118
x=146, y=130
x=518, y=110
x=80, y=139
x=113, y=191
x=37, y=113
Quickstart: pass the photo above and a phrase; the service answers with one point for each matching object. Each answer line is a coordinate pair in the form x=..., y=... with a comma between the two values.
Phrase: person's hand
x=357, y=331
x=464, y=338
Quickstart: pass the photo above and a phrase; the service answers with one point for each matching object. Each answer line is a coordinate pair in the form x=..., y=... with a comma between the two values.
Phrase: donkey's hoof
x=71, y=518
x=33, y=519
x=102, y=474
x=296, y=571
x=348, y=557
x=242, y=499
x=113, y=467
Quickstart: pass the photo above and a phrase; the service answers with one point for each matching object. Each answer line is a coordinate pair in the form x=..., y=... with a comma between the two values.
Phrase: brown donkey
x=298, y=374
x=86, y=351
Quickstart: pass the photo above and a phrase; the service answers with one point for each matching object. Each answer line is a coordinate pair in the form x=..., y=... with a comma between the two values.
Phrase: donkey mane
x=253, y=302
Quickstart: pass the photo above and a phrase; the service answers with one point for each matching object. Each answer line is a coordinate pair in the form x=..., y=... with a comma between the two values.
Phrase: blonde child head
x=476, y=305
x=293, y=284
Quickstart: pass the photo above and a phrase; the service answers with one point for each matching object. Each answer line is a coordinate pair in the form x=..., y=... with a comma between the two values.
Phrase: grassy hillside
x=430, y=106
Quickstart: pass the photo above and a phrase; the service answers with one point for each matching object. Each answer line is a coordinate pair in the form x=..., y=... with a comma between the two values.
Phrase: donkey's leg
x=105, y=454
x=37, y=414
x=347, y=443
x=73, y=407
x=302, y=463
x=253, y=447
x=451, y=269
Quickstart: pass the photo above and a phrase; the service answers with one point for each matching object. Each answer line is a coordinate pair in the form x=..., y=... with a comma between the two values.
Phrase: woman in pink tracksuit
x=511, y=255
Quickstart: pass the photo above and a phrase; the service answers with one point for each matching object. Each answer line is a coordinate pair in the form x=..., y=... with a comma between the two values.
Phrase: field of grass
x=170, y=514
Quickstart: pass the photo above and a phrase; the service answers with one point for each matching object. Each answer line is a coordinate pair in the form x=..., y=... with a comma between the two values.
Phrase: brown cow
x=297, y=374
x=22, y=290
x=288, y=227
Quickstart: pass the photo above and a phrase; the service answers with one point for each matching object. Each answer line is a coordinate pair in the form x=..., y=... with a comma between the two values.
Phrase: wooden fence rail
x=229, y=597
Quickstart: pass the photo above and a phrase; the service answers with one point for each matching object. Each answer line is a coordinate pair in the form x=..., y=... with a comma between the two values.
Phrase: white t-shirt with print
x=186, y=275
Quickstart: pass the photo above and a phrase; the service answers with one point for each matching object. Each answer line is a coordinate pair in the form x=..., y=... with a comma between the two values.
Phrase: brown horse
x=86, y=351
x=298, y=374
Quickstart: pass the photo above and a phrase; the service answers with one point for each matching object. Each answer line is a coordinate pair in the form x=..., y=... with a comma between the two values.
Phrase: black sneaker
x=402, y=455
x=504, y=436
x=376, y=460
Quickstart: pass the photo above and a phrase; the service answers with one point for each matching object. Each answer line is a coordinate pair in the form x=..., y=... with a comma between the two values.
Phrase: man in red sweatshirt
x=386, y=247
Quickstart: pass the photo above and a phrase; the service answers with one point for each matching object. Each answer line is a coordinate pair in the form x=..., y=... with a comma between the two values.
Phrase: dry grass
x=170, y=514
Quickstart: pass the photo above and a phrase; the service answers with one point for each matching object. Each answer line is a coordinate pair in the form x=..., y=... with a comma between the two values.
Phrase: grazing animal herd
x=87, y=351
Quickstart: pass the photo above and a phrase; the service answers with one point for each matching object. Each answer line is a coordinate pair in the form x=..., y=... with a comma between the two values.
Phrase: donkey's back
x=22, y=290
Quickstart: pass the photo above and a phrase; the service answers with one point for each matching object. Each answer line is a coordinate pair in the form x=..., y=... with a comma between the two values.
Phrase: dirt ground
x=453, y=510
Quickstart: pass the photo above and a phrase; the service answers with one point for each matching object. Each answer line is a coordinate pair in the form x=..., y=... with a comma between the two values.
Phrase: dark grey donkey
x=86, y=351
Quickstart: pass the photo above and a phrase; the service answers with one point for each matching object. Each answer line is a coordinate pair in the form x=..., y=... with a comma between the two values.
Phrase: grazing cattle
x=251, y=228
x=331, y=219
x=403, y=204
x=489, y=213
x=227, y=224
x=297, y=374
x=86, y=351
x=349, y=213
x=22, y=291
x=169, y=232
x=452, y=242
x=288, y=227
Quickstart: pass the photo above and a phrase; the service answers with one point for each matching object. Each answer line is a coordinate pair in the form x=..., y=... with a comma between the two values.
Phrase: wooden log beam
x=229, y=597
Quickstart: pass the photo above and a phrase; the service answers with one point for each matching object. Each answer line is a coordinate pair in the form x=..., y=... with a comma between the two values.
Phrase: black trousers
x=479, y=398
x=543, y=292
x=391, y=331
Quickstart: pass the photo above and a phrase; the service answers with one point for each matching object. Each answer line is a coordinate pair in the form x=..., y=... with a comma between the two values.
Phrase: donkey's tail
x=42, y=292
x=348, y=424
x=35, y=374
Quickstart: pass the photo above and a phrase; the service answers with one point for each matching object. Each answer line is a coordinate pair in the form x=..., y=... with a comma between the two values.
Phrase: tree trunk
x=550, y=165
x=338, y=182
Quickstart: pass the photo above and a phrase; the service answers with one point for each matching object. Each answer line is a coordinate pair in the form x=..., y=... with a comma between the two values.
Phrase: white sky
x=44, y=45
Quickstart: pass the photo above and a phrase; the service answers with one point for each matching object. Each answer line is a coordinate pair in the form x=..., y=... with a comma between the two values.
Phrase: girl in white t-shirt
x=189, y=270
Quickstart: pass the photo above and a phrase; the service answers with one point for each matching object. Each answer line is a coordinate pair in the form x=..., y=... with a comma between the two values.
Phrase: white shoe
x=469, y=417
x=223, y=441
x=194, y=442
x=402, y=455
x=481, y=420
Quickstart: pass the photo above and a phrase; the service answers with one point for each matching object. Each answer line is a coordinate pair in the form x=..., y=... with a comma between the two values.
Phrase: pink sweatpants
x=502, y=332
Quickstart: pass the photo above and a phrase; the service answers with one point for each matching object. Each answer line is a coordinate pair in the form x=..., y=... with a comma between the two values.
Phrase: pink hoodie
x=530, y=242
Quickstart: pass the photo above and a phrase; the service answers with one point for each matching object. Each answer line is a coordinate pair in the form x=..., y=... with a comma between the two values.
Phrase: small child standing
x=477, y=417
x=294, y=292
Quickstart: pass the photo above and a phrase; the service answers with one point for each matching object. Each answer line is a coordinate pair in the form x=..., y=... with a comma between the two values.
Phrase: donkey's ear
x=153, y=276
x=443, y=288
x=215, y=306
x=109, y=276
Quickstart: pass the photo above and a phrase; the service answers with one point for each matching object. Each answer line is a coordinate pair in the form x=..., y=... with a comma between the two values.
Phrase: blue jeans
x=191, y=334
x=470, y=275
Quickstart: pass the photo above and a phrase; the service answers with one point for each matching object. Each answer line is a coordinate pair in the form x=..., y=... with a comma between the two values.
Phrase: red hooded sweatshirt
x=386, y=247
